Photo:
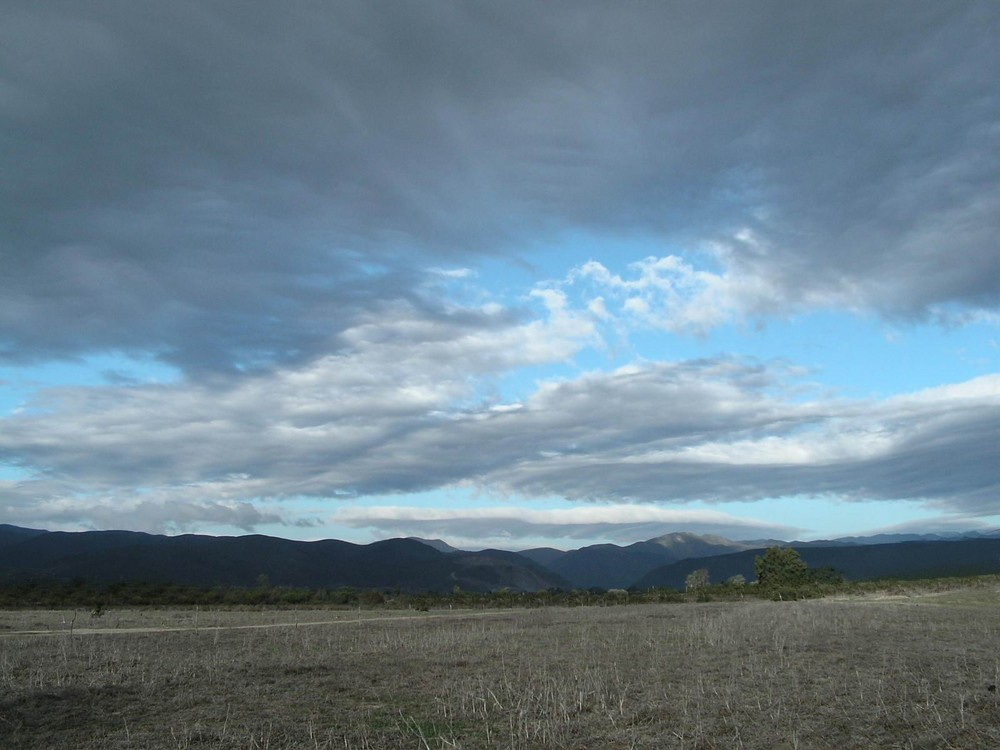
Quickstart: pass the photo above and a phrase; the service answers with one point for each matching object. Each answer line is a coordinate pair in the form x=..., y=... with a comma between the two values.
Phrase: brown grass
x=817, y=674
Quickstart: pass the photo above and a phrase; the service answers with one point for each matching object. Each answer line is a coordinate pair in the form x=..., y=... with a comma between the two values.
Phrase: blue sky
x=508, y=275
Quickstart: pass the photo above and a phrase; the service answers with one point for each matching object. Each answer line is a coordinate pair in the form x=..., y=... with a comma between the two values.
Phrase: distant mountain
x=897, y=538
x=438, y=544
x=542, y=555
x=13, y=534
x=857, y=562
x=608, y=566
x=491, y=570
x=682, y=544
x=416, y=564
x=407, y=564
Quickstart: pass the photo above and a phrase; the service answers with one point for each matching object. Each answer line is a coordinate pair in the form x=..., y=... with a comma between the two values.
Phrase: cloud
x=230, y=188
x=713, y=433
x=620, y=523
x=336, y=426
x=56, y=504
x=284, y=203
x=408, y=406
x=670, y=294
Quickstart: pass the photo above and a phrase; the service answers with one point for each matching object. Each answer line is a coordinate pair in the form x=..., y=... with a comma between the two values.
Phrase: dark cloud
x=233, y=184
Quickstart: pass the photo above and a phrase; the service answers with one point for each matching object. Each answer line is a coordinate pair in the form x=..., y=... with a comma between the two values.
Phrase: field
x=907, y=672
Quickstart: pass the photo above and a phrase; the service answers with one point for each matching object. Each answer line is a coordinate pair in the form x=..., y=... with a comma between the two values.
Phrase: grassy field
x=907, y=672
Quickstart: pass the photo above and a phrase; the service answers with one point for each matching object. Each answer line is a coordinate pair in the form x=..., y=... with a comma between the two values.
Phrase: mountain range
x=414, y=564
x=405, y=564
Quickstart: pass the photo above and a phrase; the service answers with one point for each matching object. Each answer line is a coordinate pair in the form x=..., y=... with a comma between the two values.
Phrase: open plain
x=908, y=672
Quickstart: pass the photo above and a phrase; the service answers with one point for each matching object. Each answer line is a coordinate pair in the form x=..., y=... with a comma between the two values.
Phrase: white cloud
x=54, y=505
x=335, y=425
x=454, y=273
x=508, y=524
x=672, y=294
x=397, y=413
x=598, y=308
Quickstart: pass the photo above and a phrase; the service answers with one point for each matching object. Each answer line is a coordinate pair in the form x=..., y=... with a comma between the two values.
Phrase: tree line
x=781, y=575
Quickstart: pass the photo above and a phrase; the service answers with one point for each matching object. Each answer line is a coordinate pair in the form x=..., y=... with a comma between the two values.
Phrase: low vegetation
x=914, y=667
x=781, y=575
x=807, y=584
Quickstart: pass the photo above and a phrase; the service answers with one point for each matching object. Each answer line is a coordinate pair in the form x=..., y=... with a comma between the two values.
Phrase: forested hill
x=856, y=562
x=415, y=565
x=119, y=556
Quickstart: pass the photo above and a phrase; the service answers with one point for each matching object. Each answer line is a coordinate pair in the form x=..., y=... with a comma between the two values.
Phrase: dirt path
x=257, y=626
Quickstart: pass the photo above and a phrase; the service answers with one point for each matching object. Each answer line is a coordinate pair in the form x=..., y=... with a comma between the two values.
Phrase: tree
x=781, y=566
x=697, y=579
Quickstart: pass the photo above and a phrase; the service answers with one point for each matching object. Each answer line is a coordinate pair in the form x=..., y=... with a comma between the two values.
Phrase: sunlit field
x=917, y=671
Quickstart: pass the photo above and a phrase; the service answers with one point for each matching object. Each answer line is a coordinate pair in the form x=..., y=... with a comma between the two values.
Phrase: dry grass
x=60, y=621
x=818, y=674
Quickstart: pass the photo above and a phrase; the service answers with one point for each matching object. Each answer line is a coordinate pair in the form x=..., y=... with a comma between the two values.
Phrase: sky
x=506, y=274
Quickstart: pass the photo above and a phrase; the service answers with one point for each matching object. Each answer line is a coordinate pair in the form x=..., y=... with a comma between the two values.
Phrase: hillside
x=906, y=560
x=415, y=565
x=608, y=566
x=406, y=564
x=14, y=534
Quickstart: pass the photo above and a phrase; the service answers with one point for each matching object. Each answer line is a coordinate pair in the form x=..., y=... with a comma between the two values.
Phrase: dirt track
x=462, y=614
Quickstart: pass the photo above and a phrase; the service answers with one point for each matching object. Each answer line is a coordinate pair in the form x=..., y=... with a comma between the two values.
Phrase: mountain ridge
x=417, y=564
x=608, y=566
x=245, y=561
x=910, y=559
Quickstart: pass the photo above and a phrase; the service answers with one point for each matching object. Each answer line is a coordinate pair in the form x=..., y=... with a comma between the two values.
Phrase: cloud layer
x=408, y=409
x=280, y=201
x=231, y=186
x=506, y=527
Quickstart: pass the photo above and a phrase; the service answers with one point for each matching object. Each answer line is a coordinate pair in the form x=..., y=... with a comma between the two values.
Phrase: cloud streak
x=620, y=523
x=408, y=409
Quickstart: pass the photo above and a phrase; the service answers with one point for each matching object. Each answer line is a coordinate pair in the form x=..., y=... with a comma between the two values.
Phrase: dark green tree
x=781, y=566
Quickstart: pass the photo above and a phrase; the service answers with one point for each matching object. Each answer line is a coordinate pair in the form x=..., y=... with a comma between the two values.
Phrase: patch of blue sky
x=861, y=357
x=840, y=354
x=13, y=473
x=857, y=355
x=854, y=357
x=512, y=276
x=19, y=384
x=829, y=518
